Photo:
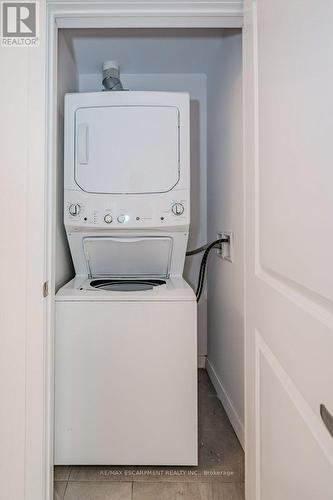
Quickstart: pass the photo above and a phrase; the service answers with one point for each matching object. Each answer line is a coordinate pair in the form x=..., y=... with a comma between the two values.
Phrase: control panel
x=113, y=212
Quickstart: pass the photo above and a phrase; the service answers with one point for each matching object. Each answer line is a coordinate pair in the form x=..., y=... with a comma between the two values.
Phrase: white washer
x=126, y=339
x=126, y=390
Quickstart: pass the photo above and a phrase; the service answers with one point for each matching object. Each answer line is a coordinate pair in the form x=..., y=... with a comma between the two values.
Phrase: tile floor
x=219, y=476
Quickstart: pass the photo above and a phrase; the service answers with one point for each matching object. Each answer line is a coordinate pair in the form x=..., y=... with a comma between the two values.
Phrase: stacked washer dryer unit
x=125, y=340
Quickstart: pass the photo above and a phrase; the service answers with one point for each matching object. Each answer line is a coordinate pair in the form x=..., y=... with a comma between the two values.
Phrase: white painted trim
x=50, y=204
x=248, y=161
x=105, y=20
x=191, y=14
x=255, y=76
x=226, y=402
x=232, y=8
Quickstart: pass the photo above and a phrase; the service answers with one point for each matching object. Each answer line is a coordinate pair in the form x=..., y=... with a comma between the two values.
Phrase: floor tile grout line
x=68, y=479
x=65, y=489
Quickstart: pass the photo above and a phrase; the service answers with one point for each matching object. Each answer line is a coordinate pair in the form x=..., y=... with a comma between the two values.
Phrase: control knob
x=178, y=209
x=74, y=209
x=108, y=218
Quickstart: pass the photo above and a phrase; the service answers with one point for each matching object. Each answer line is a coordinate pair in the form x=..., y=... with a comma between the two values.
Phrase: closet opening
x=206, y=63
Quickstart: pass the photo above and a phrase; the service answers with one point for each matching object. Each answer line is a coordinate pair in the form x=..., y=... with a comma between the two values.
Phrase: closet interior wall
x=68, y=81
x=225, y=299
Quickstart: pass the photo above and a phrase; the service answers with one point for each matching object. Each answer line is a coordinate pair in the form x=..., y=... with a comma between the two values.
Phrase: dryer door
x=127, y=149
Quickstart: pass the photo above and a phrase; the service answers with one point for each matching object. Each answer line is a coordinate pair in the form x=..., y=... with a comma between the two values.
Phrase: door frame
x=111, y=14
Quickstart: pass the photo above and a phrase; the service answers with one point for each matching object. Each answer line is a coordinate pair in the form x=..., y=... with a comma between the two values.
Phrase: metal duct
x=111, y=77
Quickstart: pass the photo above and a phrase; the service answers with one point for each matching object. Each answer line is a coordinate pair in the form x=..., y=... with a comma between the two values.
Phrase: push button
x=122, y=218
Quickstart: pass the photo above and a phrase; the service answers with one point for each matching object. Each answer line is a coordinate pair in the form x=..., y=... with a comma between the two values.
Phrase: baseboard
x=226, y=402
x=202, y=361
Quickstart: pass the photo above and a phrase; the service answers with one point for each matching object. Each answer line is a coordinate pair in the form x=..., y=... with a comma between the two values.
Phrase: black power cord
x=206, y=249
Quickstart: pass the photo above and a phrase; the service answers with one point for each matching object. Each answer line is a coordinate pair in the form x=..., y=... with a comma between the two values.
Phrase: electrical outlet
x=226, y=250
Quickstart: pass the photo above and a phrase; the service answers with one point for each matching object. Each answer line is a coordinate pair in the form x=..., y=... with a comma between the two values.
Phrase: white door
x=288, y=54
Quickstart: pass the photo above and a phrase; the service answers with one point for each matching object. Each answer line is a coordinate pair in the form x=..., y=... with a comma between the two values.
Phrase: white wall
x=67, y=82
x=225, y=212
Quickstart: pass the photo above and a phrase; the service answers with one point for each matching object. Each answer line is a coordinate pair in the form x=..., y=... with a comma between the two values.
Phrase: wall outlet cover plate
x=226, y=250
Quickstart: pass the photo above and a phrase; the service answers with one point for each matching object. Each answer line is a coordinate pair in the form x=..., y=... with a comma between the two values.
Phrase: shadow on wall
x=195, y=188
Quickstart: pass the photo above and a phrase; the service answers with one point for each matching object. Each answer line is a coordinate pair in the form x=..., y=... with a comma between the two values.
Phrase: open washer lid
x=128, y=257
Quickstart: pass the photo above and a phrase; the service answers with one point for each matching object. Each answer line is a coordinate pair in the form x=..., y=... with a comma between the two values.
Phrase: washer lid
x=127, y=149
x=128, y=256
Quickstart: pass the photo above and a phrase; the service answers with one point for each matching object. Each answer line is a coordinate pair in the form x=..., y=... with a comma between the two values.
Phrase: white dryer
x=125, y=340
